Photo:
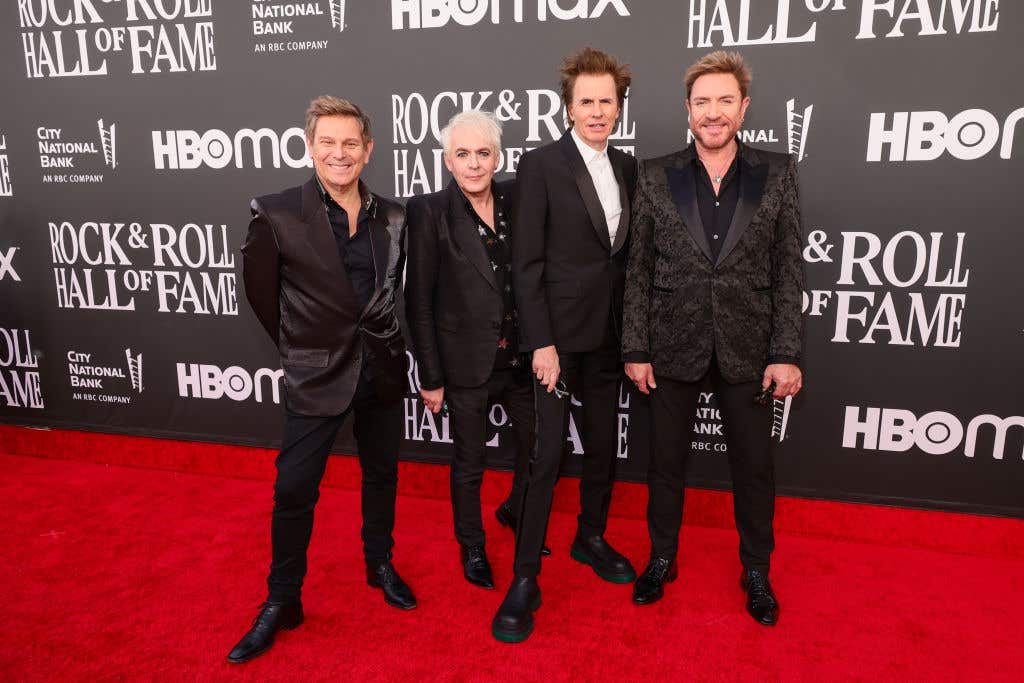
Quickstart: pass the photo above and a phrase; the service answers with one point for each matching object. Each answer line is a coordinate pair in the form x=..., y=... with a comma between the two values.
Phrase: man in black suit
x=463, y=320
x=322, y=265
x=714, y=289
x=569, y=251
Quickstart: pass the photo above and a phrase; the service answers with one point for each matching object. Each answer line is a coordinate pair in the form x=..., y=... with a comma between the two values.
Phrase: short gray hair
x=483, y=121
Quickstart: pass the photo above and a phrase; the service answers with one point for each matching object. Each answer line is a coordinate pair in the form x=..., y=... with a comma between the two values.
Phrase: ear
x=369, y=149
x=743, y=106
x=448, y=162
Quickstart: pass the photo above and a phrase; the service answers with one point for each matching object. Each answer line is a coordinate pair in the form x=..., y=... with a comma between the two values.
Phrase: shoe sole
x=518, y=636
x=486, y=586
x=582, y=557
x=254, y=655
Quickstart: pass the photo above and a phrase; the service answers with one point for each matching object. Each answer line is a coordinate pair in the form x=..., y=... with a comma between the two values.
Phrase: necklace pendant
x=718, y=178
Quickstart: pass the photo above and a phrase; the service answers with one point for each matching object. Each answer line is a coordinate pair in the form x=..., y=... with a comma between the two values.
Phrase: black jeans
x=300, y=467
x=593, y=377
x=469, y=407
x=748, y=442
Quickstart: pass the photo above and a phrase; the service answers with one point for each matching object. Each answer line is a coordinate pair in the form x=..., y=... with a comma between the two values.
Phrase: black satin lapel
x=381, y=240
x=622, y=232
x=587, y=190
x=324, y=247
x=684, y=193
x=464, y=231
x=752, y=181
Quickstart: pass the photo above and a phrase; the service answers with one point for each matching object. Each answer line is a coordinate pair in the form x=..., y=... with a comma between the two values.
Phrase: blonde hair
x=720, y=62
x=329, y=105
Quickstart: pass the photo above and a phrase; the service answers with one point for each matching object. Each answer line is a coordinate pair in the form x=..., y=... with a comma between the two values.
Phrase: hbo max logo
x=211, y=382
x=936, y=433
x=927, y=135
x=189, y=149
x=437, y=13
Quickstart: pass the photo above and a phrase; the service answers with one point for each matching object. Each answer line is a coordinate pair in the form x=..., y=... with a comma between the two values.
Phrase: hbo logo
x=210, y=382
x=926, y=135
x=188, y=149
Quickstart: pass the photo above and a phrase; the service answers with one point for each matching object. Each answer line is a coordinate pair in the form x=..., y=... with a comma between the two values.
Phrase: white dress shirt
x=600, y=168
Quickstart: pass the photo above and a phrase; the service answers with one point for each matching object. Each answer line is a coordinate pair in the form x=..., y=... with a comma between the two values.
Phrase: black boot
x=475, y=566
x=396, y=592
x=607, y=562
x=514, y=621
x=761, y=602
x=507, y=518
x=273, y=617
x=650, y=586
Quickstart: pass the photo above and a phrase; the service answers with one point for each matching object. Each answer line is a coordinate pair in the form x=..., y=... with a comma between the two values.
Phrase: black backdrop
x=135, y=132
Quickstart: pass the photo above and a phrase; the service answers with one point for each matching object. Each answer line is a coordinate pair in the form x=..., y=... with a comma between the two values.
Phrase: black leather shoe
x=396, y=592
x=507, y=518
x=605, y=560
x=650, y=586
x=475, y=566
x=761, y=602
x=273, y=617
x=514, y=621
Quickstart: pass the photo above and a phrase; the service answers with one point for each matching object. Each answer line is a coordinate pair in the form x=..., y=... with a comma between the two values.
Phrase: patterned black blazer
x=681, y=306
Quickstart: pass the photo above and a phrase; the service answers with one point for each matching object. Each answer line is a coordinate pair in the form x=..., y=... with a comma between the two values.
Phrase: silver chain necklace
x=718, y=176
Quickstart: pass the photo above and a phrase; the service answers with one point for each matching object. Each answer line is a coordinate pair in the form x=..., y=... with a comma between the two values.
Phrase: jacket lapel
x=322, y=241
x=623, y=230
x=587, y=190
x=752, y=181
x=464, y=232
x=682, y=185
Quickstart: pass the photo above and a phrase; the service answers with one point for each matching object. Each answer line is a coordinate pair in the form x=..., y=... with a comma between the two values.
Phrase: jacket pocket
x=663, y=290
x=313, y=358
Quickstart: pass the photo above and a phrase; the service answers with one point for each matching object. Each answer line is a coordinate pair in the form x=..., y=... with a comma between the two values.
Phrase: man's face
x=471, y=159
x=716, y=110
x=338, y=151
x=594, y=108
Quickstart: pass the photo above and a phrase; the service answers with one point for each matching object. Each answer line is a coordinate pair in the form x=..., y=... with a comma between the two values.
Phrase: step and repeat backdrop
x=134, y=133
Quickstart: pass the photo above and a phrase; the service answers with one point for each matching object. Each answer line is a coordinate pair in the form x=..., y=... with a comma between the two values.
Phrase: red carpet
x=114, y=573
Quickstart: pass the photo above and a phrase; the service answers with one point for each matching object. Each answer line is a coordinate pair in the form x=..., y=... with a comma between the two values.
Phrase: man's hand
x=545, y=366
x=642, y=375
x=787, y=377
x=433, y=399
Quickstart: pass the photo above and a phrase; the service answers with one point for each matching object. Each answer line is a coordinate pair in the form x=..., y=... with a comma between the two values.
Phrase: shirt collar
x=588, y=153
x=364, y=195
x=469, y=205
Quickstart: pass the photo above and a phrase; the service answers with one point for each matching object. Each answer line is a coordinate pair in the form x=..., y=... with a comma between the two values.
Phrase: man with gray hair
x=322, y=265
x=464, y=325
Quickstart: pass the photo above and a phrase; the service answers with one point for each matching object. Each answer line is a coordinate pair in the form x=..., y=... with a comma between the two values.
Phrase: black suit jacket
x=296, y=283
x=745, y=306
x=568, y=277
x=452, y=302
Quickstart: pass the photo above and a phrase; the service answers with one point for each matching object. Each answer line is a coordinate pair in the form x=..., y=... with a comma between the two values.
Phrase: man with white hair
x=464, y=325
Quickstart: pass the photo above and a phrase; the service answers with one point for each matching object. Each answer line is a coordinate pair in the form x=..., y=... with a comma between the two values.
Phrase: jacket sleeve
x=529, y=223
x=636, y=308
x=261, y=271
x=787, y=275
x=422, y=274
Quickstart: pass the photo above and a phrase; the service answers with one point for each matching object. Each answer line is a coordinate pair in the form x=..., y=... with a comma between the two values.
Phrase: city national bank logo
x=19, y=370
x=417, y=120
x=935, y=433
x=188, y=150
x=79, y=157
x=909, y=290
x=295, y=26
x=6, y=189
x=93, y=380
x=436, y=13
x=927, y=135
x=210, y=382
x=80, y=37
x=728, y=23
x=798, y=128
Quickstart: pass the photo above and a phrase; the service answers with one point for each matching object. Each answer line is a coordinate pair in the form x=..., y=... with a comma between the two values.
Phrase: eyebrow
x=477, y=150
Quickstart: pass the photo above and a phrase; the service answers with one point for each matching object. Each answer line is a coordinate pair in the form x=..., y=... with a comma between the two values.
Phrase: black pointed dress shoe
x=507, y=518
x=761, y=602
x=273, y=617
x=514, y=621
x=396, y=592
x=650, y=586
x=475, y=566
x=604, y=559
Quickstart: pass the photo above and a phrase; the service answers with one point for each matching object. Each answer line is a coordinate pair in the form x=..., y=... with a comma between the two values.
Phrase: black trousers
x=748, y=442
x=593, y=377
x=300, y=467
x=469, y=408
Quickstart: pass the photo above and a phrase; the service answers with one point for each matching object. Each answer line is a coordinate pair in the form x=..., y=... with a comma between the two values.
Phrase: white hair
x=483, y=121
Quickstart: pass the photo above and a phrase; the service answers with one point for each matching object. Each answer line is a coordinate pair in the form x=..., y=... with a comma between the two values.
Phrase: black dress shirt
x=498, y=245
x=355, y=250
x=716, y=210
